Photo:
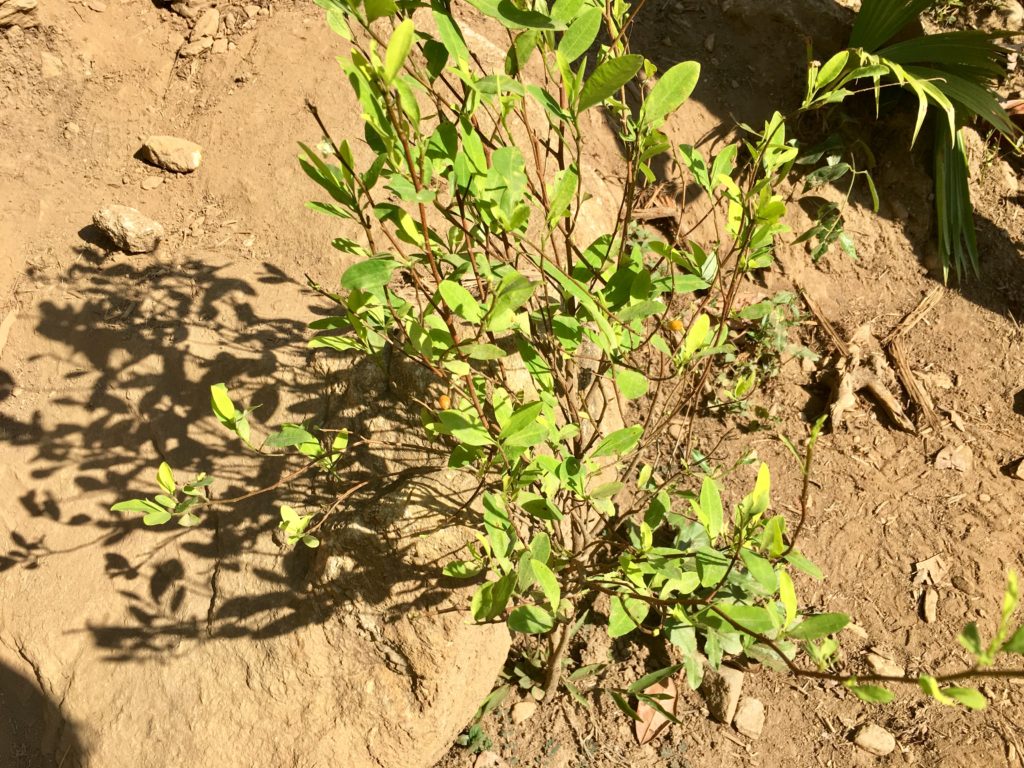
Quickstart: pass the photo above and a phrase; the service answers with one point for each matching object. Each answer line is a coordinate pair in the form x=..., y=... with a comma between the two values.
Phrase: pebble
x=220, y=45
x=984, y=498
x=721, y=690
x=151, y=182
x=930, y=605
x=523, y=711
x=749, y=718
x=98, y=6
x=172, y=153
x=196, y=47
x=960, y=458
x=882, y=665
x=1019, y=472
x=128, y=228
x=709, y=43
x=874, y=739
x=206, y=25
x=71, y=130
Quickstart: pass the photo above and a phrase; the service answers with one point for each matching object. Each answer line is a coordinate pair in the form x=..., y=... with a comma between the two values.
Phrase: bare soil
x=97, y=379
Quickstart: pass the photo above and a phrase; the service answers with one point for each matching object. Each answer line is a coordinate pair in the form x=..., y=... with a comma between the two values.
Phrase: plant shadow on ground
x=146, y=341
x=33, y=732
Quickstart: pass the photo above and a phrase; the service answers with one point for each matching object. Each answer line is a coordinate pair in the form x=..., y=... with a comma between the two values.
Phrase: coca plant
x=560, y=360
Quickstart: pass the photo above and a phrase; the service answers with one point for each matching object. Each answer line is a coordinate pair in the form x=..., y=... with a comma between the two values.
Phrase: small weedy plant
x=560, y=361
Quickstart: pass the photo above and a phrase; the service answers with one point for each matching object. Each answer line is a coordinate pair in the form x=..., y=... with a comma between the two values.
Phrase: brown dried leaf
x=652, y=722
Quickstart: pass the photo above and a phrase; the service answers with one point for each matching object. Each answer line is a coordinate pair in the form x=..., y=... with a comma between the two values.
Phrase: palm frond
x=958, y=245
x=972, y=97
x=971, y=54
x=879, y=20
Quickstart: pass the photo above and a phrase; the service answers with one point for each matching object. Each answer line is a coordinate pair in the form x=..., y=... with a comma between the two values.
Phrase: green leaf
x=165, y=477
x=157, y=517
x=370, y=274
x=820, y=625
x=1016, y=643
x=291, y=435
x=463, y=429
x=619, y=442
x=165, y=501
x=490, y=599
x=621, y=703
x=697, y=335
x=787, y=595
x=137, y=505
x=513, y=17
x=222, y=405
x=531, y=620
x=648, y=680
x=580, y=35
x=872, y=694
x=609, y=78
x=398, y=49
x=460, y=569
x=711, y=507
x=548, y=582
x=540, y=547
x=879, y=20
x=632, y=384
x=762, y=571
x=378, y=9
x=523, y=417
x=626, y=614
x=831, y=69
x=970, y=639
x=969, y=697
x=801, y=563
x=669, y=93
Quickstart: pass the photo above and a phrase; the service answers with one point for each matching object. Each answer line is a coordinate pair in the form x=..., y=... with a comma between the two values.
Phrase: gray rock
x=172, y=153
x=874, y=739
x=749, y=718
x=18, y=13
x=128, y=228
x=721, y=690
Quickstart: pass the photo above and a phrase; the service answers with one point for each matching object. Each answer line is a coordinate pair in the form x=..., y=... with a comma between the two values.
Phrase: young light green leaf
x=632, y=384
x=222, y=405
x=831, y=69
x=968, y=697
x=697, y=335
x=711, y=507
x=548, y=582
x=872, y=694
x=625, y=615
x=398, y=48
x=165, y=477
x=787, y=595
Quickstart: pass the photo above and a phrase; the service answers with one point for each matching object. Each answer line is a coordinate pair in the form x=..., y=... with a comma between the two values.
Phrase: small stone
x=1019, y=471
x=523, y=711
x=128, y=228
x=229, y=22
x=196, y=47
x=874, y=739
x=749, y=718
x=1008, y=15
x=883, y=665
x=709, y=43
x=960, y=458
x=961, y=583
x=929, y=606
x=50, y=66
x=97, y=6
x=721, y=690
x=172, y=153
x=185, y=10
x=220, y=45
x=71, y=130
x=251, y=11
x=151, y=182
x=984, y=498
x=206, y=25
x=15, y=34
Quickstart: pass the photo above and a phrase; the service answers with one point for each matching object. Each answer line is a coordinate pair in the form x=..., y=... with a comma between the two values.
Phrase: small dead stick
x=836, y=340
x=894, y=348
